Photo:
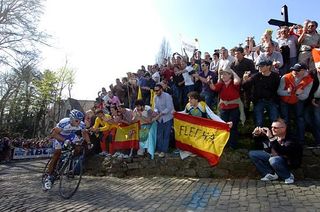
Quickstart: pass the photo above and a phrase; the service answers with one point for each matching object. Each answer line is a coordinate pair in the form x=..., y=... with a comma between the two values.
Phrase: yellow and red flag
x=125, y=137
x=204, y=137
x=316, y=57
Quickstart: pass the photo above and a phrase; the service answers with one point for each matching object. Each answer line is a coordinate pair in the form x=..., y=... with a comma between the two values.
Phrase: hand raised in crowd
x=275, y=64
x=246, y=75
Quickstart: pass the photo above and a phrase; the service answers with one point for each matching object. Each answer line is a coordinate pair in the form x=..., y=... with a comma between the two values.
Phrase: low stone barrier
x=233, y=164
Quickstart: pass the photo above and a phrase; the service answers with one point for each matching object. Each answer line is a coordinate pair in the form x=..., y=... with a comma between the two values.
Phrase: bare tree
x=164, y=51
x=66, y=79
x=18, y=28
x=10, y=85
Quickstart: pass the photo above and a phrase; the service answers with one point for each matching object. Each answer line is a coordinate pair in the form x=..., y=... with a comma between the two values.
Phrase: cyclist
x=65, y=132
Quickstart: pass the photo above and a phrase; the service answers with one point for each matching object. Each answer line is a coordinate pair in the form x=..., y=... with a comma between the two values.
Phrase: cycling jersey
x=67, y=128
x=68, y=132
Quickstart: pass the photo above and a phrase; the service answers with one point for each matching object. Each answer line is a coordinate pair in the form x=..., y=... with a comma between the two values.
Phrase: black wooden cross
x=285, y=22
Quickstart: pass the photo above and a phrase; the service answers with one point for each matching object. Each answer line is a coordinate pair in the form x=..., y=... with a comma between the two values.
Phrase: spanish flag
x=316, y=57
x=204, y=137
x=125, y=137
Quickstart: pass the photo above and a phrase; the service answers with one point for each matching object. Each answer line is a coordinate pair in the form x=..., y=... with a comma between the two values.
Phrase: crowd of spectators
x=7, y=145
x=275, y=76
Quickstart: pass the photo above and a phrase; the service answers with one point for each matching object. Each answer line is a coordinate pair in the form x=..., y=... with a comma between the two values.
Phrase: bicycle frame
x=66, y=170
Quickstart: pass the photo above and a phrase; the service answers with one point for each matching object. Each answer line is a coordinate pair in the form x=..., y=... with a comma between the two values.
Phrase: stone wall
x=233, y=164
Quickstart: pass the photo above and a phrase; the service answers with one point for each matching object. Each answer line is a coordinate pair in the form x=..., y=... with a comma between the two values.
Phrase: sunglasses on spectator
x=156, y=90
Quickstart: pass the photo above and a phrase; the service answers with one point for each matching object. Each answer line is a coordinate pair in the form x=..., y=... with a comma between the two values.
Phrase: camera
x=192, y=72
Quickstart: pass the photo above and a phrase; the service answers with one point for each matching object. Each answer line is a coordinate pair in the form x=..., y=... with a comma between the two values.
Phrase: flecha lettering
x=205, y=135
x=192, y=132
x=212, y=137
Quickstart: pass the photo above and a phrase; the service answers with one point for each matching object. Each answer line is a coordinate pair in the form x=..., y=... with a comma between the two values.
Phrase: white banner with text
x=21, y=153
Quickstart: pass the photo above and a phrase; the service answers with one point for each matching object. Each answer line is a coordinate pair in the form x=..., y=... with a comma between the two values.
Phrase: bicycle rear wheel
x=70, y=177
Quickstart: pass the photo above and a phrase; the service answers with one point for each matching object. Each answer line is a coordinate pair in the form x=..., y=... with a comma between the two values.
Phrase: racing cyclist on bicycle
x=65, y=132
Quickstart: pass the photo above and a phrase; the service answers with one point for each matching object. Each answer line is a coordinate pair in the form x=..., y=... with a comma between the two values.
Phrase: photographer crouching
x=281, y=153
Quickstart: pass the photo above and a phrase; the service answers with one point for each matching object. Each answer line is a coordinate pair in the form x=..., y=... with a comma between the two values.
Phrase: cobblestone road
x=20, y=190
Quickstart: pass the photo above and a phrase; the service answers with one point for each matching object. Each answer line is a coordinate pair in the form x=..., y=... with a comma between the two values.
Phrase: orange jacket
x=289, y=82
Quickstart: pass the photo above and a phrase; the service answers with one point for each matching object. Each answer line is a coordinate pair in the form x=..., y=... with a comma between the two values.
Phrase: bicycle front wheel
x=70, y=177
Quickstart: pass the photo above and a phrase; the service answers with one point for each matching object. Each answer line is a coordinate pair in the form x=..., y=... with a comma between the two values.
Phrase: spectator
x=265, y=84
x=99, y=103
x=164, y=108
x=225, y=59
x=215, y=62
x=266, y=39
x=197, y=107
x=232, y=52
x=240, y=66
x=207, y=58
x=156, y=75
x=5, y=149
x=125, y=115
x=168, y=71
x=308, y=40
x=272, y=55
x=230, y=105
x=166, y=87
x=125, y=85
x=114, y=100
x=102, y=93
x=146, y=84
x=312, y=112
x=119, y=90
x=178, y=88
x=197, y=58
x=293, y=90
x=206, y=76
x=102, y=127
x=188, y=80
x=251, y=52
x=132, y=90
x=288, y=47
x=281, y=154
x=144, y=114
x=89, y=118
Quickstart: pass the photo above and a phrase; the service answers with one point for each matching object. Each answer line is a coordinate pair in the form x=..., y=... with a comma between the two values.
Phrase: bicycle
x=68, y=169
